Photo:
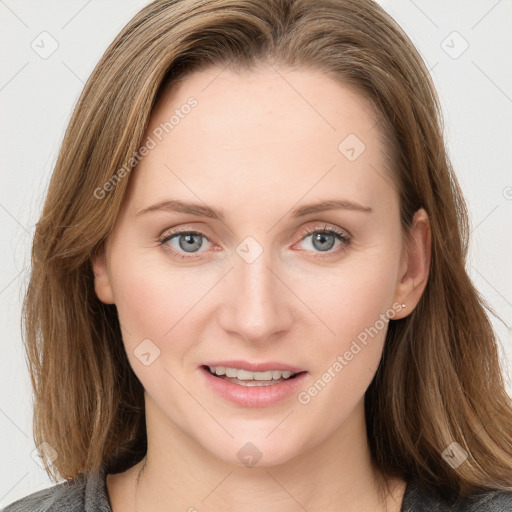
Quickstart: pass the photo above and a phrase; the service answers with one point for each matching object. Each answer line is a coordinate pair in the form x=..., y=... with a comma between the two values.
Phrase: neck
x=338, y=474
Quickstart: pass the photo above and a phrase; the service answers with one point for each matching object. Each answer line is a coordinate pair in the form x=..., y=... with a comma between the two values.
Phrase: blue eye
x=324, y=239
x=188, y=241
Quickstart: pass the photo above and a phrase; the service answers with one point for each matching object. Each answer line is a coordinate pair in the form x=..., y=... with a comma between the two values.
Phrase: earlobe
x=414, y=277
x=102, y=285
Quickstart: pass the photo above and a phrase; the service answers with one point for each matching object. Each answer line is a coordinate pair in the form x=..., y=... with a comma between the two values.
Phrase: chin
x=256, y=450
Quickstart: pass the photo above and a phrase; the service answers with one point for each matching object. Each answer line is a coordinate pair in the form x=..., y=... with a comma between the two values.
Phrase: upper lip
x=255, y=367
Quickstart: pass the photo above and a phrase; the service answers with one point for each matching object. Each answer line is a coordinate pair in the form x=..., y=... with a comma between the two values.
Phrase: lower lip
x=254, y=396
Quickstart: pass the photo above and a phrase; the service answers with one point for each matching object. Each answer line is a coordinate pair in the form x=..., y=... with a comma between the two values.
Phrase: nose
x=257, y=302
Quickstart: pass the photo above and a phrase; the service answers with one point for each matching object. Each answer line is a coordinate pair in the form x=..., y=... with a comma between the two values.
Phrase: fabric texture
x=88, y=493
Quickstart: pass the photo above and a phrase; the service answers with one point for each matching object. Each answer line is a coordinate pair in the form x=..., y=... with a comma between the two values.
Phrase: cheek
x=349, y=299
x=354, y=305
x=357, y=308
x=143, y=301
x=161, y=303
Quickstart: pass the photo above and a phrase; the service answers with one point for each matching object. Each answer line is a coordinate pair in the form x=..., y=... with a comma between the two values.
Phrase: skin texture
x=257, y=145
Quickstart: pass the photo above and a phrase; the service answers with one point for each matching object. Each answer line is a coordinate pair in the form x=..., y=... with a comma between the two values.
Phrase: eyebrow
x=206, y=211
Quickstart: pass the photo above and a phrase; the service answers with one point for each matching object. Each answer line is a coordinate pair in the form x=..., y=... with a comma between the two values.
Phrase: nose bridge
x=256, y=307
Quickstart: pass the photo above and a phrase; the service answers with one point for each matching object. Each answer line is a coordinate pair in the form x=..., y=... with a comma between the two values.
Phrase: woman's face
x=259, y=284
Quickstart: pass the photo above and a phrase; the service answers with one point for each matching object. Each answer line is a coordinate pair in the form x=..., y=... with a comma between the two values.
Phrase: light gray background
x=37, y=95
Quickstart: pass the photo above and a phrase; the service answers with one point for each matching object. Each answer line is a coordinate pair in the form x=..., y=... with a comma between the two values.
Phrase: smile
x=248, y=378
x=245, y=388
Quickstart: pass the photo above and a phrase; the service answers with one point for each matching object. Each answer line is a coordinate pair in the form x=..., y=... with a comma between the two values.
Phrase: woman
x=249, y=288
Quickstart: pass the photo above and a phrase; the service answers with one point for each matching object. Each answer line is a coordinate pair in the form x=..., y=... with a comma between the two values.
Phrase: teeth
x=245, y=375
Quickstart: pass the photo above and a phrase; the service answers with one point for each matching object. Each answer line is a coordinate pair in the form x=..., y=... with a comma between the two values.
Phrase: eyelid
x=323, y=226
x=181, y=230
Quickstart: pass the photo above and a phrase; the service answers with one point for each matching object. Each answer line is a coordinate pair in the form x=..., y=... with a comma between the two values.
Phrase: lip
x=253, y=396
x=255, y=367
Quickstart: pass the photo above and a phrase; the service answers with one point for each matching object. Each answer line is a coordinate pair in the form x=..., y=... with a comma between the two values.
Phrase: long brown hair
x=439, y=380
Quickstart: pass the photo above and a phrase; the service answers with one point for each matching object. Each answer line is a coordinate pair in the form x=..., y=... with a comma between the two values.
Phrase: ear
x=414, y=270
x=102, y=285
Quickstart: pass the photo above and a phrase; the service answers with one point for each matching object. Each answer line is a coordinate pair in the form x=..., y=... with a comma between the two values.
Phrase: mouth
x=248, y=378
x=247, y=384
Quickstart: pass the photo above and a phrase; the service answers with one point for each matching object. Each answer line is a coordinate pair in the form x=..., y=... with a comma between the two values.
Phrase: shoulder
x=87, y=492
x=490, y=501
x=419, y=498
x=63, y=496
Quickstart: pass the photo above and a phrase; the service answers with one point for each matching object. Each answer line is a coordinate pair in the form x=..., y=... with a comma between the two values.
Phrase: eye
x=182, y=242
x=323, y=240
x=185, y=244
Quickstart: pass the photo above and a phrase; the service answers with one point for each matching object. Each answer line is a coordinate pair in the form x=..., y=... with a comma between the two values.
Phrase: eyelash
x=326, y=230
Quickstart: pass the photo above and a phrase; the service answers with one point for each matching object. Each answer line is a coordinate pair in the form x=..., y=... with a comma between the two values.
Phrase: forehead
x=269, y=133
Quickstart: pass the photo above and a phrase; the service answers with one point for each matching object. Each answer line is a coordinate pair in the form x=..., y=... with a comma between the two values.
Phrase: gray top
x=88, y=493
